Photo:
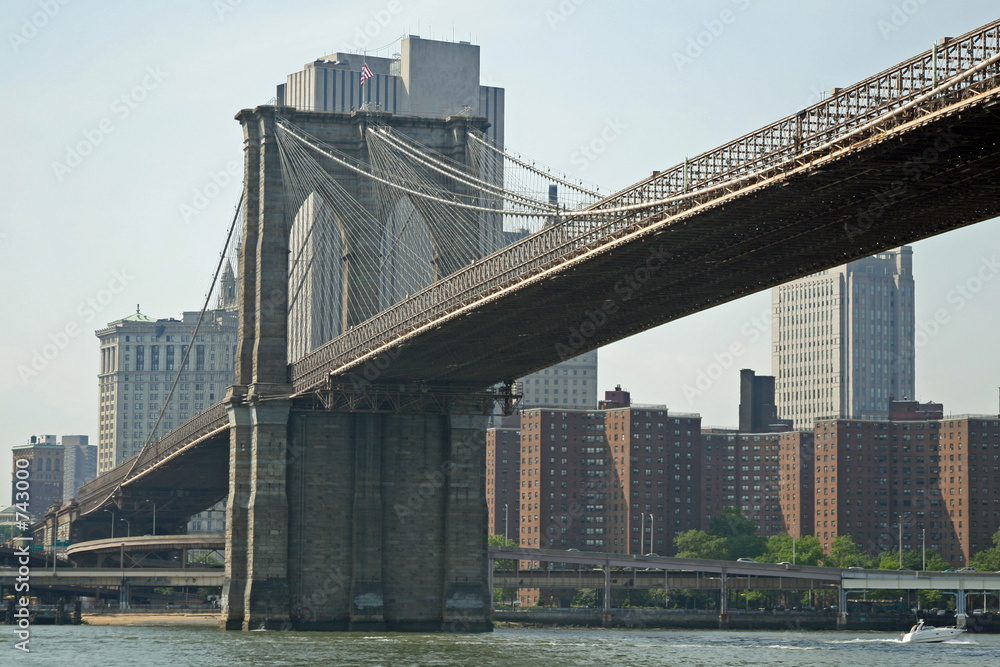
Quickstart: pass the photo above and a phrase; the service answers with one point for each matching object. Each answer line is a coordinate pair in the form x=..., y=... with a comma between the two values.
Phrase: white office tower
x=568, y=384
x=843, y=340
x=140, y=359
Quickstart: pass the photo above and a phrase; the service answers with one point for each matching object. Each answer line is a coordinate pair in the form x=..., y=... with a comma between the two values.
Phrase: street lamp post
x=128, y=527
x=923, y=548
x=650, y=532
x=505, y=523
x=899, y=521
x=793, y=550
x=112, y=523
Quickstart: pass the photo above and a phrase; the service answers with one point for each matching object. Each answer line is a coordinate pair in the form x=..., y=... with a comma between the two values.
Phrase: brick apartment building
x=622, y=479
x=917, y=477
x=503, y=469
x=766, y=475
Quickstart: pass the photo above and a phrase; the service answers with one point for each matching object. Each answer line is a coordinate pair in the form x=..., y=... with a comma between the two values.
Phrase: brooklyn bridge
x=397, y=272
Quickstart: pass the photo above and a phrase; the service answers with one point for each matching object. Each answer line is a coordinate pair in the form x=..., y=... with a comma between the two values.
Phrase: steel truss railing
x=940, y=77
x=193, y=429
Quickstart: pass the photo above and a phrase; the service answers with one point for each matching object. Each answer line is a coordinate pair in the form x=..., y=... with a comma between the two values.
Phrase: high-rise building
x=843, y=340
x=503, y=469
x=758, y=413
x=426, y=78
x=622, y=479
x=760, y=474
x=55, y=470
x=916, y=478
x=79, y=463
x=45, y=467
x=570, y=384
x=140, y=359
x=757, y=468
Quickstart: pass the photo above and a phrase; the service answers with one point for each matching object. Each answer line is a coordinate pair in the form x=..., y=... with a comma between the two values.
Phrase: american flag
x=365, y=73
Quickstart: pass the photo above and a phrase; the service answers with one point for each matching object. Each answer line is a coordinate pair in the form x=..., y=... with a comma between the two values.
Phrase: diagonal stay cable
x=187, y=352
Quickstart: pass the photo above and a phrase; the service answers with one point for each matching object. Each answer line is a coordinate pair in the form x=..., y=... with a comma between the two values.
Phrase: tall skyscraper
x=843, y=340
x=141, y=356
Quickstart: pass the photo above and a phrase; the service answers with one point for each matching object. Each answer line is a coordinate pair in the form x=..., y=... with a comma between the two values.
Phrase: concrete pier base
x=386, y=522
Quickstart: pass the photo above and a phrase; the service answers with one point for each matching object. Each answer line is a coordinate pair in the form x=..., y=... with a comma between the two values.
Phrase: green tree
x=699, y=544
x=207, y=559
x=845, y=553
x=912, y=560
x=808, y=550
x=988, y=560
x=739, y=532
x=730, y=522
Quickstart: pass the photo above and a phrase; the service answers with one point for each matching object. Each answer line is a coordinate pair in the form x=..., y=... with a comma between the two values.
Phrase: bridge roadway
x=101, y=576
x=911, y=152
x=684, y=573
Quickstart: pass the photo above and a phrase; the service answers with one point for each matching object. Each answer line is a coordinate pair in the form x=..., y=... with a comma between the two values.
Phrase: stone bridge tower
x=366, y=517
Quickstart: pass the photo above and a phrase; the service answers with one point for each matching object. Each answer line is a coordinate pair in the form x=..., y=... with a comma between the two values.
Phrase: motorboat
x=928, y=634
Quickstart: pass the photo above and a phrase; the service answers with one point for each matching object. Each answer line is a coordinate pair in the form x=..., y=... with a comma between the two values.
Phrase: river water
x=109, y=646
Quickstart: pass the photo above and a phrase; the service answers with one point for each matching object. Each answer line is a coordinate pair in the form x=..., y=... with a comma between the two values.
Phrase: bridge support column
x=723, y=603
x=266, y=602
x=842, y=610
x=960, y=608
x=606, y=614
x=234, y=589
x=387, y=522
x=366, y=558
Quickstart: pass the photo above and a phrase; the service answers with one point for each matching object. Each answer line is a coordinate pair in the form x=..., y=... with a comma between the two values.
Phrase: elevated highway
x=576, y=569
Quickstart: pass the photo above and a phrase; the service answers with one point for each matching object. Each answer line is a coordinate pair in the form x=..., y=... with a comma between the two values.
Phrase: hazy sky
x=117, y=122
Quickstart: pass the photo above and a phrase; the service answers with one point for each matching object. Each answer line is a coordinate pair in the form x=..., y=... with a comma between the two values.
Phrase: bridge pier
x=234, y=590
x=266, y=594
x=960, y=608
x=723, y=603
x=842, y=609
x=386, y=522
